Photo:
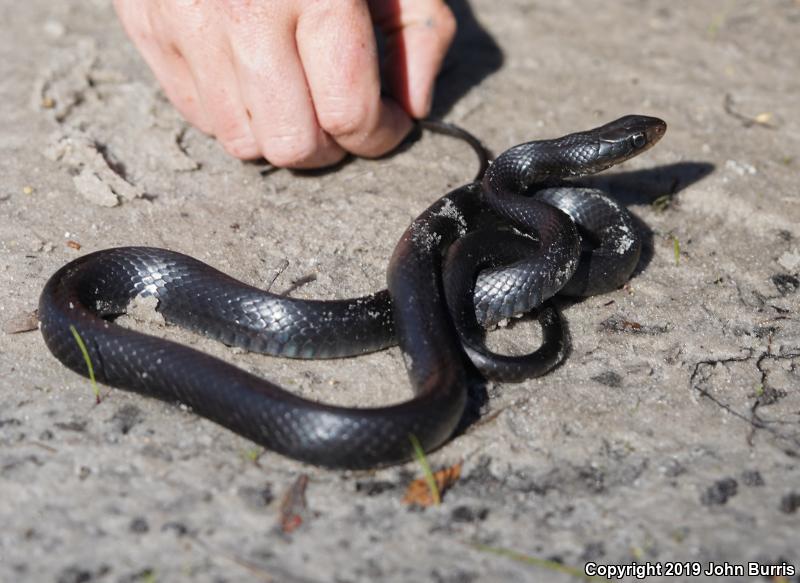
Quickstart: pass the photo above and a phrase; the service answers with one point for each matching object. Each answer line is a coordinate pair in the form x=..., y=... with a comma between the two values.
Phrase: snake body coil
x=536, y=253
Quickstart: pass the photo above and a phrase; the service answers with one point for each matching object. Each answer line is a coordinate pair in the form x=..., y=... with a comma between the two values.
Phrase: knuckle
x=233, y=131
x=230, y=129
x=241, y=147
x=345, y=120
x=291, y=150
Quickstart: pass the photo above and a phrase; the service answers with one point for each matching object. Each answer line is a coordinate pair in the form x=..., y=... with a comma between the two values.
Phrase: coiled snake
x=505, y=244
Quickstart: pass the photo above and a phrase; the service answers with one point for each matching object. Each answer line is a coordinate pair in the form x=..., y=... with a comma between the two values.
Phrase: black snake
x=506, y=243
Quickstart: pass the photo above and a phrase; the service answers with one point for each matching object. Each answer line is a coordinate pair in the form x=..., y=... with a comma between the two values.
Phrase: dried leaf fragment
x=420, y=494
x=293, y=505
x=22, y=322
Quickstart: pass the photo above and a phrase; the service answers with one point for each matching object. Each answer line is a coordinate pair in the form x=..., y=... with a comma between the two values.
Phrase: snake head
x=625, y=138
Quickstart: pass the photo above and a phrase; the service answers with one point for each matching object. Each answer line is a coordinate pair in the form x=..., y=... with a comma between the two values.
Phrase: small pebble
x=467, y=514
x=139, y=525
x=790, y=261
x=790, y=503
x=720, y=492
x=54, y=29
x=752, y=478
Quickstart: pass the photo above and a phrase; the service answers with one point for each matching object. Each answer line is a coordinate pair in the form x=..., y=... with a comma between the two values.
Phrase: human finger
x=210, y=62
x=275, y=93
x=345, y=82
x=145, y=25
x=418, y=34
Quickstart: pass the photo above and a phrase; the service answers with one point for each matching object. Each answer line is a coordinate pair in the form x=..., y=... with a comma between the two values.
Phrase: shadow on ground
x=649, y=186
x=473, y=56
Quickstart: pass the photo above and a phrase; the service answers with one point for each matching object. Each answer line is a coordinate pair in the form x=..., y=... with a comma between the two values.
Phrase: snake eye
x=637, y=140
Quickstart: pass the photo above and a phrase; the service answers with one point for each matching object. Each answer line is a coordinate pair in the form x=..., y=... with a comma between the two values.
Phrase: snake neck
x=522, y=167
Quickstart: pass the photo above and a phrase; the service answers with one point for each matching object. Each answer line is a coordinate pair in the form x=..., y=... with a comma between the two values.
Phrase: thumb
x=418, y=34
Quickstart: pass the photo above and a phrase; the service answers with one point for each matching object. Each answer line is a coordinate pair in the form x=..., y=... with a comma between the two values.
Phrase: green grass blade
x=536, y=561
x=88, y=360
x=676, y=247
x=419, y=453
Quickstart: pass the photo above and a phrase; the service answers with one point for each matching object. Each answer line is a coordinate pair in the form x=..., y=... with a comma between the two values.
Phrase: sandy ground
x=672, y=432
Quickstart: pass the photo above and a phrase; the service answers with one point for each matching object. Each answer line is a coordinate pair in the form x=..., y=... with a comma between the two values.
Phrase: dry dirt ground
x=672, y=431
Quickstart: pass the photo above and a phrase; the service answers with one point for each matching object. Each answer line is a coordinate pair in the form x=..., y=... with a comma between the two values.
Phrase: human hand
x=294, y=81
